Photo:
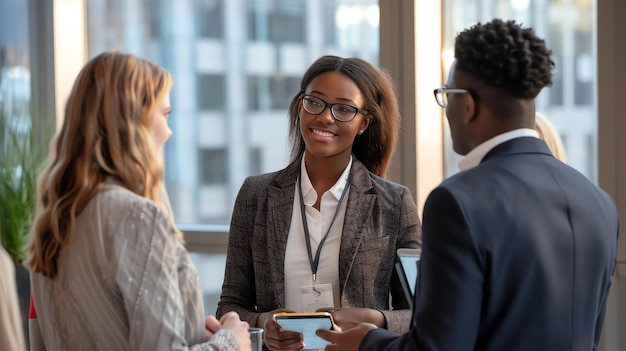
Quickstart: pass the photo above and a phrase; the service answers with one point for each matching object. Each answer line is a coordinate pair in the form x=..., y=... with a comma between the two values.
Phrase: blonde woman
x=109, y=270
x=550, y=135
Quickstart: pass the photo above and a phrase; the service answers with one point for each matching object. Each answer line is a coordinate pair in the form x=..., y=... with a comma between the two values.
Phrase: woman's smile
x=322, y=135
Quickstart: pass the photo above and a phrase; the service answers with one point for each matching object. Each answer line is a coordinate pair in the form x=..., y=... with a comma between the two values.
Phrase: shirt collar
x=310, y=195
x=473, y=158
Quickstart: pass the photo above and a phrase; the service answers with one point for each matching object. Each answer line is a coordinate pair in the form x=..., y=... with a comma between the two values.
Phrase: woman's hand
x=276, y=338
x=211, y=326
x=238, y=327
x=347, y=318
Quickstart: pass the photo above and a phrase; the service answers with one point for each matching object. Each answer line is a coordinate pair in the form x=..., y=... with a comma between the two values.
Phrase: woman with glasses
x=322, y=233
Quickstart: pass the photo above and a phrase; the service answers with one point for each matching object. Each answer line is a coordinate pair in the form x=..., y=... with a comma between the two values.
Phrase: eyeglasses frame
x=445, y=90
x=330, y=107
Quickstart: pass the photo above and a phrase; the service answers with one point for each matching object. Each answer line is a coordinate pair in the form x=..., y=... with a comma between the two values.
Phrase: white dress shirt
x=473, y=158
x=297, y=266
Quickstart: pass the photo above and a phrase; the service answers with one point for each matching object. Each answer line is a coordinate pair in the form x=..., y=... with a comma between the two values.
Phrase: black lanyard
x=315, y=262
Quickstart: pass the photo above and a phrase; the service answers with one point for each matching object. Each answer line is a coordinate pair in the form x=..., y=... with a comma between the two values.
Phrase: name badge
x=316, y=297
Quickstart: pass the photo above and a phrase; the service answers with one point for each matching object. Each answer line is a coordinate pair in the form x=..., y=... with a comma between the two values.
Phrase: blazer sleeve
x=605, y=296
x=446, y=309
x=410, y=236
x=238, y=290
x=148, y=280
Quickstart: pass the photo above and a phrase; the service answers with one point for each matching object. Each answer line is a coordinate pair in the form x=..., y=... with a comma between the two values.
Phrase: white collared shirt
x=473, y=158
x=297, y=267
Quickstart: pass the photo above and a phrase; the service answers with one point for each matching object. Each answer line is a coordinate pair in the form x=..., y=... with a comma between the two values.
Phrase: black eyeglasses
x=340, y=112
x=441, y=94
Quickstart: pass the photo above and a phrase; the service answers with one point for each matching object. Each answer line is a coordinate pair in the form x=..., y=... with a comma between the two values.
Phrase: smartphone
x=306, y=323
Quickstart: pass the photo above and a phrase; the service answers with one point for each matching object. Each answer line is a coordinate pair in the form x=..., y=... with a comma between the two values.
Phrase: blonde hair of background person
x=550, y=135
x=108, y=268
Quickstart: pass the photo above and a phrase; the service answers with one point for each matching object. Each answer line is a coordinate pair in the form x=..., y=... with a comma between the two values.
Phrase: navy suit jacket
x=518, y=254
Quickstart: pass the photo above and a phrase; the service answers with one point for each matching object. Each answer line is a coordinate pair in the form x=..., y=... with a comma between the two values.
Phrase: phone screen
x=409, y=264
x=307, y=325
x=409, y=258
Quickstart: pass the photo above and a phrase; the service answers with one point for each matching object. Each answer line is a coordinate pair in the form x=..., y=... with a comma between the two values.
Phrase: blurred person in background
x=11, y=335
x=550, y=135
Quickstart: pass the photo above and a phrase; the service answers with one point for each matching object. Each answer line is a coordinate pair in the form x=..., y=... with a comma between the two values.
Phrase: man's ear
x=471, y=108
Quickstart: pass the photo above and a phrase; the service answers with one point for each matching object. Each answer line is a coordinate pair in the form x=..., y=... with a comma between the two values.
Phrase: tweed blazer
x=381, y=217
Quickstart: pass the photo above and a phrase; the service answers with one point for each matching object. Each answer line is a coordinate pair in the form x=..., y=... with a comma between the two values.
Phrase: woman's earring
x=361, y=132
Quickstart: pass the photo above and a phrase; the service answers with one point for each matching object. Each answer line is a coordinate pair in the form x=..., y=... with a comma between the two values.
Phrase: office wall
x=612, y=149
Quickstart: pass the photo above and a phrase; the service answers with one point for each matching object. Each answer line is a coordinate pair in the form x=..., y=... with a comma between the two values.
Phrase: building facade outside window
x=236, y=66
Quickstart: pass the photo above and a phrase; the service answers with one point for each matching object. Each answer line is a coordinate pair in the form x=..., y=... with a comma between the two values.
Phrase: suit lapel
x=279, y=209
x=357, y=219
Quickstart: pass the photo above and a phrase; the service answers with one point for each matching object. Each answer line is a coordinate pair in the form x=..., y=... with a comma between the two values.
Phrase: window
x=236, y=66
x=271, y=93
x=14, y=65
x=256, y=160
x=209, y=18
x=276, y=20
x=211, y=164
x=555, y=40
x=584, y=66
x=210, y=92
x=355, y=29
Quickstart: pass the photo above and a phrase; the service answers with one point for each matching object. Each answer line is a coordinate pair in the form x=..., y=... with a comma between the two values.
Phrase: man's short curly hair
x=506, y=56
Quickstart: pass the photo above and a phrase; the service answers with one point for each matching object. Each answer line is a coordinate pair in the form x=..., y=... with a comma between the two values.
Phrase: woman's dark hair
x=506, y=56
x=376, y=146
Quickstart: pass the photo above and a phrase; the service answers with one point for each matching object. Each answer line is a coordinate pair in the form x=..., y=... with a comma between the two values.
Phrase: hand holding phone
x=307, y=324
x=276, y=337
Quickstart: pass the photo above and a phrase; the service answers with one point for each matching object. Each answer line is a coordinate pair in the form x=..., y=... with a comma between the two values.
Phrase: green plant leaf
x=19, y=167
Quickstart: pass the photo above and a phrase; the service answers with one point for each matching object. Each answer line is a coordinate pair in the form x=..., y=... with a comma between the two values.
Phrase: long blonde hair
x=550, y=135
x=106, y=133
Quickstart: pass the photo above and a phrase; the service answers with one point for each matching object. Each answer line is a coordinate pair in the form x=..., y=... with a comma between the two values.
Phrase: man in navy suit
x=519, y=249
